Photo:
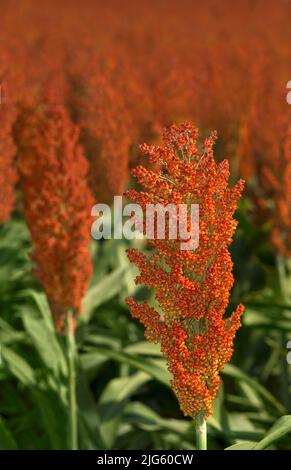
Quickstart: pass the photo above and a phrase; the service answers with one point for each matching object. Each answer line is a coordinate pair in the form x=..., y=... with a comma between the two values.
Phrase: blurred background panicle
x=57, y=204
x=8, y=174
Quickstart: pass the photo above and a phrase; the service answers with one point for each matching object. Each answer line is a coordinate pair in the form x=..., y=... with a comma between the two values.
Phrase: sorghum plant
x=192, y=287
x=57, y=204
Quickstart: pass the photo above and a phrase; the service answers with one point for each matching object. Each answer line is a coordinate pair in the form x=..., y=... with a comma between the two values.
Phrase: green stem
x=283, y=337
x=200, y=421
x=71, y=350
x=201, y=432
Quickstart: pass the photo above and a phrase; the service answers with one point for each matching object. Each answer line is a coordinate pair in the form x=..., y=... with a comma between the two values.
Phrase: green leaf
x=155, y=368
x=40, y=304
x=144, y=348
x=219, y=418
x=102, y=292
x=8, y=335
x=18, y=367
x=142, y=416
x=112, y=402
x=232, y=371
x=7, y=441
x=251, y=394
x=246, y=445
x=278, y=430
x=259, y=319
x=46, y=344
x=102, y=340
x=145, y=418
x=92, y=361
x=267, y=306
x=241, y=427
x=89, y=420
x=54, y=417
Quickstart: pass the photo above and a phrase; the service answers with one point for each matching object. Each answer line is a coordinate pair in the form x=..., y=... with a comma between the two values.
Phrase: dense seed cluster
x=192, y=287
x=7, y=149
x=57, y=205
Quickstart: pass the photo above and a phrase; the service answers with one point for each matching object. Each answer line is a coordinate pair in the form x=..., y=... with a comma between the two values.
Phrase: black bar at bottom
x=140, y=458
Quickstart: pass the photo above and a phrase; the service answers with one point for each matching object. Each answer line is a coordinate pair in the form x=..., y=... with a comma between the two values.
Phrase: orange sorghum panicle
x=8, y=174
x=99, y=109
x=57, y=205
x=192, y=288
x=281, y=212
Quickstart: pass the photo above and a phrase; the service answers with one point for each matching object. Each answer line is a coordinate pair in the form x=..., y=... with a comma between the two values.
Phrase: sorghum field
x=124, y=343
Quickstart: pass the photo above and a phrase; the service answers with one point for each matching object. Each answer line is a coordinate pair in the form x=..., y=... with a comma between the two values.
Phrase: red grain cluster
x=192, y=287
x=8, y=174
x=57, y=205
x=277, y=178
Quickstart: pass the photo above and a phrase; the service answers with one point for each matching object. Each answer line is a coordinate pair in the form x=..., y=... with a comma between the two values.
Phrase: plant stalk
x=73, y=412
x=201, y=432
